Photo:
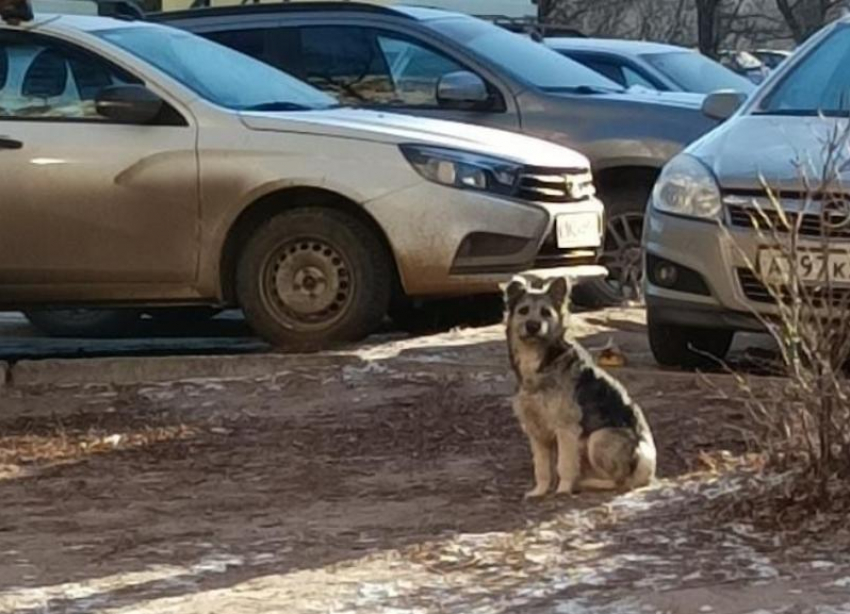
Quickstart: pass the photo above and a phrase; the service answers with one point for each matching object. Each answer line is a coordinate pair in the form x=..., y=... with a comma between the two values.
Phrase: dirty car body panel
x=106, y=212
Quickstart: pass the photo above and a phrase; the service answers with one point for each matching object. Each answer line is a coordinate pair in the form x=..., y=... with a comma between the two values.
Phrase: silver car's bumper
x=714, y=286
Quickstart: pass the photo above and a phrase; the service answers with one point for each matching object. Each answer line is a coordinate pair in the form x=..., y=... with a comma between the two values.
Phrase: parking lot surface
x=387, y=478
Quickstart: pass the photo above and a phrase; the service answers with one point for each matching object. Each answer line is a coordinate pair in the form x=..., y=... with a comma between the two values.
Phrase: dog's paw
x=535, y=493
x=565, y=489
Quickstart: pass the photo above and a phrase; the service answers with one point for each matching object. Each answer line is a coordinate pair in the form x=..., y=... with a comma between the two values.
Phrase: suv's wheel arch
x=273, y=203
x=624, y=190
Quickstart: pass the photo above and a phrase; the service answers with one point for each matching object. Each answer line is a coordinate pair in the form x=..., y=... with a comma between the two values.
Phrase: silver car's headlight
x=460, y=169
x=687, y=187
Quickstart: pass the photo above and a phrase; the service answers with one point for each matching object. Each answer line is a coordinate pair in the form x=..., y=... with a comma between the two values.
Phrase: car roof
x=412, y=12
x=84, y=23
x=628, y=47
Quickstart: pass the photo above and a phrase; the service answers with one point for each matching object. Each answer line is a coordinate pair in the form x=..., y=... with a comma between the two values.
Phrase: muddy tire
x=84, y=323
x=312, y=278
x=622, y=251
x=688, y=347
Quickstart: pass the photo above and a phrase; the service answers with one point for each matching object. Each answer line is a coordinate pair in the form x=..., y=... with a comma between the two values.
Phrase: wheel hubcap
x=309, y=283
x=623, y=256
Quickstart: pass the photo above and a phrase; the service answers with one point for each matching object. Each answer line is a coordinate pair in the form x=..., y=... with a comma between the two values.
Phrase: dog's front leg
x=569, y=459
x=541, y=452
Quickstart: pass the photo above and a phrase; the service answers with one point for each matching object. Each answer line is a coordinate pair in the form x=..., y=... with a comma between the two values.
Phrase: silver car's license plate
x=578, y=230
x=811, y=266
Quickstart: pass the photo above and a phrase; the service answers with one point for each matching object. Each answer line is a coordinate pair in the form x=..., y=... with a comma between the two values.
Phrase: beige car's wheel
x=311, y=278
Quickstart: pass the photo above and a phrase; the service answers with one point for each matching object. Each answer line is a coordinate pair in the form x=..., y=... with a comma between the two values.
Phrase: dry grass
x=56, y=443
x=800, y=428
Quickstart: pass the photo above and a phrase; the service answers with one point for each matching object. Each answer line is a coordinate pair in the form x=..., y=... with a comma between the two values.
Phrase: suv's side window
x=250, y=41
x=362, y=66
x=604, y=67
x=44, y=79
x=633, y=77
x=346, y=63
x=415, y=70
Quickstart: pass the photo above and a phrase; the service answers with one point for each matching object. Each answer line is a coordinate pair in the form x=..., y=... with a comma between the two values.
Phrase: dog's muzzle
x=533, y=328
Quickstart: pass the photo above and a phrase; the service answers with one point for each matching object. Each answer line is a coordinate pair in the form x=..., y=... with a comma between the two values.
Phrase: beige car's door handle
x=10, y=143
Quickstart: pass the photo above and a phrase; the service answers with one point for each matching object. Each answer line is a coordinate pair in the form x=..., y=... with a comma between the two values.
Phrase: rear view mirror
x=462, y=87
x=14, y=12
x=723, y=104
x=129, y=104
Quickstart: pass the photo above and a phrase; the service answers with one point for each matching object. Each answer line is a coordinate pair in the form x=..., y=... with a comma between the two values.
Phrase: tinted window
x=612, y=71
x=43, y=79
x=346, y=62
x=694, y=72
x=4, y=66
x=361, y=66
x=633, y=77
x=415, y=70
x=820, y=83
x=249, y=42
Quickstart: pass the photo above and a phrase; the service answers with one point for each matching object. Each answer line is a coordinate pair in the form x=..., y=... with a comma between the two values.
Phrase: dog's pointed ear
x=559, y=291
x=514, y=291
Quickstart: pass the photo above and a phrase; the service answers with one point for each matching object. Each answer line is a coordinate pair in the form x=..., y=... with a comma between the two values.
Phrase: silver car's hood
x=395, y=129
x=781, y=150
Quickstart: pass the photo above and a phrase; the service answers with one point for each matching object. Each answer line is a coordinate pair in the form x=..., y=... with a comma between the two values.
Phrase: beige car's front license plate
x=578, y=230
x=775, y=266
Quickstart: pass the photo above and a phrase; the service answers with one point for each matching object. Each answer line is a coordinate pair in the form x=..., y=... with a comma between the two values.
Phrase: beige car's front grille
x=555, y=186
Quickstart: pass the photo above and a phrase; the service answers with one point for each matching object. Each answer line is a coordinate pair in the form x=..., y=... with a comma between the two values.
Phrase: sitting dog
x=563, y=400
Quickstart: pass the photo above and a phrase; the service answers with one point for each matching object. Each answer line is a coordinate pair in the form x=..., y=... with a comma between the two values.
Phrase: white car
x=142, y=166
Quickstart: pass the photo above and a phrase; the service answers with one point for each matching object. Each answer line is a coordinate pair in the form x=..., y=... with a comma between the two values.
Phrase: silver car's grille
x=555, y=185
x=768, y=219
x=756, y=291
x=753, y=288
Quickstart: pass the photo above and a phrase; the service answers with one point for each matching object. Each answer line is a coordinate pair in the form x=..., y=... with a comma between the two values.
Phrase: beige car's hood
x=396, y=129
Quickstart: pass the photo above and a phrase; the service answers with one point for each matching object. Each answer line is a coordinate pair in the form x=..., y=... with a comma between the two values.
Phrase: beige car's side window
x=44, y=80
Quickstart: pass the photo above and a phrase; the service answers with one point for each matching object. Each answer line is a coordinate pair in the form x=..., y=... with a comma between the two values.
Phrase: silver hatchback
x=702, y=249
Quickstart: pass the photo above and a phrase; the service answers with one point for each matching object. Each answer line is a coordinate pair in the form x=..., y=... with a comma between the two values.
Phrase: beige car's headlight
x=687, y=187
x=461, y=169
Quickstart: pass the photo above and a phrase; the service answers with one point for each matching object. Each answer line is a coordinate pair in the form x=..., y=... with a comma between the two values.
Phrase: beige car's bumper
x=451, y=242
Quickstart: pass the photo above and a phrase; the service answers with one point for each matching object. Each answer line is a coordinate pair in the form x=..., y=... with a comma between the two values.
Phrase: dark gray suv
x=453, y=66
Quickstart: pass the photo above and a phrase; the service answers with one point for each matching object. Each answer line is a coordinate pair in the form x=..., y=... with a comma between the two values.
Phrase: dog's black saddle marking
x=602, y=403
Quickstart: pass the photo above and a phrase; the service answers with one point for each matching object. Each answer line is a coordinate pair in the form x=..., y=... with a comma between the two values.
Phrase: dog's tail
x=645, y=461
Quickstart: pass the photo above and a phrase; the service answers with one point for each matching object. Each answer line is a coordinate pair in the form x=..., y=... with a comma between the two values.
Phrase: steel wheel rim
x=623, y=256
x=307, y=284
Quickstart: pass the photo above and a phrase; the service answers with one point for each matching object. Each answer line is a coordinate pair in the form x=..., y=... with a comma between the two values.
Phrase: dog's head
x=537, y=309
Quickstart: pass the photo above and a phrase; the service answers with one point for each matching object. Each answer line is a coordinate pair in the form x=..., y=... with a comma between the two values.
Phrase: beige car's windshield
x=216, y=73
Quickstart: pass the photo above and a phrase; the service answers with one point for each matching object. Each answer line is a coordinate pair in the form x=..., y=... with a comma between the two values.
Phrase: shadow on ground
x=228, y=482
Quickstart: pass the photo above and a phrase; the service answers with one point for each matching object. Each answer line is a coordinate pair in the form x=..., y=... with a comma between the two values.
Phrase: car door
x=84, y=201
x=371, y=67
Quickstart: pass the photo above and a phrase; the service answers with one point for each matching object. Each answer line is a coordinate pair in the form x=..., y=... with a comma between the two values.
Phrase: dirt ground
x=384, y=479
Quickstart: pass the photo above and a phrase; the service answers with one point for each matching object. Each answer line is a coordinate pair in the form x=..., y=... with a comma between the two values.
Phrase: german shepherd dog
x=565, y=401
